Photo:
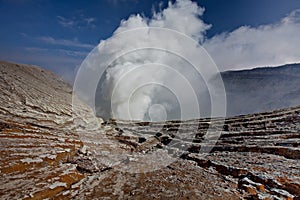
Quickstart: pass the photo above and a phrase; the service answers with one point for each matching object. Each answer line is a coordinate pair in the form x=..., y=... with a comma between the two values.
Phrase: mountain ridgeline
x=262, y=89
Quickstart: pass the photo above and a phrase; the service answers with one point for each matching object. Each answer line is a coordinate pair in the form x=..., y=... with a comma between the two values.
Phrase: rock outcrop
x=46, y=153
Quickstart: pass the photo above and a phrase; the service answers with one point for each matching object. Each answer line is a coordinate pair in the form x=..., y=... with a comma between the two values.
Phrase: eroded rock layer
x=258, y=153
x=48, y=152
x=36, y=133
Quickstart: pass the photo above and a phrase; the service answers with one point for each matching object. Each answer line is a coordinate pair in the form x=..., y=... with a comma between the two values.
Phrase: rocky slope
x=262, y=89
x=47, y=151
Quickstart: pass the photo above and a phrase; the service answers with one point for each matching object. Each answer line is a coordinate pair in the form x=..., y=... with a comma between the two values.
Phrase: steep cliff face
x=49, y=152
x=262, y=89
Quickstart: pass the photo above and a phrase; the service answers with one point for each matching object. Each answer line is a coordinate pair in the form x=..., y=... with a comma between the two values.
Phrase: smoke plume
x=146, y=70
x=148, y=67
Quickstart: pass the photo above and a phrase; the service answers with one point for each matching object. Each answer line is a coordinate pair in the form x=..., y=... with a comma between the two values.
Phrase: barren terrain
x=46, y=153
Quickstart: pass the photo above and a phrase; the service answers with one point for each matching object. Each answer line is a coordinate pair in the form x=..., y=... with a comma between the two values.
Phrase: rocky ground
x=47, y=151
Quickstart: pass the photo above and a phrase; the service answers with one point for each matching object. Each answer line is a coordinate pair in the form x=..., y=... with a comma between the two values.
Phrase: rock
x=250, y=189
x=83, y=150
x=47, y=151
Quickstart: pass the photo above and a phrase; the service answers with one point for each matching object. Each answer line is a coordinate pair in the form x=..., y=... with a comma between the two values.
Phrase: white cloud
x=70, y=53
x=115, y=2
x=120, y=87
x=64, y=42
x=65, y=22
x=79, y=21
x=182, y=16
x=266, y=45
x=245, y=47
x=89, y=20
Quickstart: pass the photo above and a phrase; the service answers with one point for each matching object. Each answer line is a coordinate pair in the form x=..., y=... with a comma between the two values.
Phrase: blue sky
x=57, y=35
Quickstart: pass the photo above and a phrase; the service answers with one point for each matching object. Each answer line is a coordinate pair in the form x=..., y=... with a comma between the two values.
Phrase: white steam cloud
x=149, y=68
x=177, y=90
x=182, y=16
x=267, y=45
x=130, y=99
